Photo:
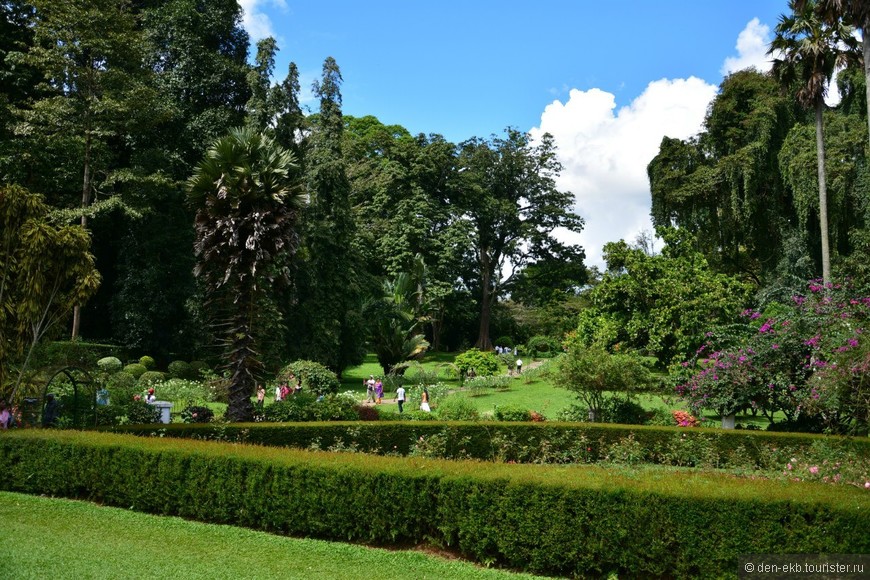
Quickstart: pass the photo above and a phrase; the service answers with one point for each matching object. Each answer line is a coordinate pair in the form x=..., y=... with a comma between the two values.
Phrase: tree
x=396, y=320
x=593, y=374
x=45, y=269
x=724, y=186
x=329, y=327
x=807, y=51
x=247, y=195
x=856, y=11
x=506, y=194
x=659, y=305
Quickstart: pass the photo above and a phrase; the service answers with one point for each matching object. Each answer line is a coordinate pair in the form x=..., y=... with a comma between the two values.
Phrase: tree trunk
x=86, y=200
x=823, y=194
x=483, y=342
x=865, y=34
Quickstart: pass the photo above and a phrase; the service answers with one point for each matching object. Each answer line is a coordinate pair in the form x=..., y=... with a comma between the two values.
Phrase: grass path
x=58, y=538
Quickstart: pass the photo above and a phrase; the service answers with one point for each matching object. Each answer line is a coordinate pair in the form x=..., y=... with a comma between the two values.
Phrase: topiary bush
x=135, y=369
x=315, y=377
x=505, y=341
x=110, y=364
x=151, y=378
x=147, y=362
x=178, y=369
x=485, y=364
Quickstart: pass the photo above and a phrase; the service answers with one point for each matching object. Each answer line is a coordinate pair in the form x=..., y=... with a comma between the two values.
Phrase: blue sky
x=608, y=79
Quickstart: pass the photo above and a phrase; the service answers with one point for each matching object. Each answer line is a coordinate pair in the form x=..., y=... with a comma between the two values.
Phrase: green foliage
x=139, y=413
x=457, y=409
x=147, y=362
x=151, y=378
x=593, y=373
x=484, y=363
x=122, y=386
x=511, y=413
x=178, y=369
x=135, y=369
x=504, y=341
x=197, y=367
x=479, y=511
x=197, y=414
x=541, y=346
x=110, y=364
x=46, y=270
x=659, y=305
x=304, y=407
x=315, y=377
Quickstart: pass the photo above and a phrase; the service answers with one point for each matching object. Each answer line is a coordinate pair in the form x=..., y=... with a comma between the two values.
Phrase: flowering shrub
x=804, y=358
x=685, y=419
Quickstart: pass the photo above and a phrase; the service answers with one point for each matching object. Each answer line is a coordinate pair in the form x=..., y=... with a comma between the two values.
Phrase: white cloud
x=256, y=21
x=605, y=152
x=752, y=44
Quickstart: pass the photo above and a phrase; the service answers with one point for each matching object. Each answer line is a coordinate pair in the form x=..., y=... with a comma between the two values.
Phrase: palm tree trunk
x=865, y=35
x=823, y=194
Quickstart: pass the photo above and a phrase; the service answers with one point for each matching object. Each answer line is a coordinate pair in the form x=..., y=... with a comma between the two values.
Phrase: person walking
x=370, y=389
x=519, y=366
x=400, y=398
x=261, y=397
x=379, y=391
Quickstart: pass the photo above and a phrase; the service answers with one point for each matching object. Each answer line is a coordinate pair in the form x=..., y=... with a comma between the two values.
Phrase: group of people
x=374, y=389
x=375, y=393
x=283, y=390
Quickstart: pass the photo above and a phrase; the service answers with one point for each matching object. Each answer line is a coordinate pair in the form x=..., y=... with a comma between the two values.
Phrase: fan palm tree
x=858, y=13
x=247, y=196
x=806, y=53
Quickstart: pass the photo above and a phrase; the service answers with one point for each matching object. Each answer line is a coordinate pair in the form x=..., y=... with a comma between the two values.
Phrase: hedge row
x=575, y=520
x=522, y=442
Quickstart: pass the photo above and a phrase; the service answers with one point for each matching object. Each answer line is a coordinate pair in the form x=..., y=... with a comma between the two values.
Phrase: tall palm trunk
x=823, y=194
x=865, y=35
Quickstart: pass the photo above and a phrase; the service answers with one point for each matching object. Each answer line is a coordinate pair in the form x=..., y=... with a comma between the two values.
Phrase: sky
x=608, y=80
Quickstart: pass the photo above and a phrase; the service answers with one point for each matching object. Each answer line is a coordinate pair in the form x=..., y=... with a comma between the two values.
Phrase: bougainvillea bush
x=807, y=360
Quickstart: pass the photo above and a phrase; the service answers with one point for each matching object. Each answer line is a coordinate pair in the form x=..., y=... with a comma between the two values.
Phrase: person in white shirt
x=400, y=398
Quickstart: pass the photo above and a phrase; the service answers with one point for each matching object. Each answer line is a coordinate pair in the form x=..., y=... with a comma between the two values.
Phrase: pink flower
x=867, y=485
x=814, y=469
x=789, y=467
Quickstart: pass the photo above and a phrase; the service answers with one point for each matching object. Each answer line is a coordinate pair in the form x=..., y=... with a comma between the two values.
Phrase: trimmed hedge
x=523, y=442
x=556, y=520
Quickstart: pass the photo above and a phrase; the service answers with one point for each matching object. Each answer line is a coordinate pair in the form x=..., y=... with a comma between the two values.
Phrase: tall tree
x=724, y=185
x=807, y=51
x=858, y=13
x=261, y=104
x=247, y=195
x=505, y=192
x=45, y=269
x=329, y=329
x=95, y=90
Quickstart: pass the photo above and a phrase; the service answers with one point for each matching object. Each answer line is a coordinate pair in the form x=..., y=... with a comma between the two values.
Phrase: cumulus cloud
x=752, y=45
x=605, y=152
x=255, y=20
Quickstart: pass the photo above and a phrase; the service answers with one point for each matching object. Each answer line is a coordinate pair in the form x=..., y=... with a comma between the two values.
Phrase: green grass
x=57, y=538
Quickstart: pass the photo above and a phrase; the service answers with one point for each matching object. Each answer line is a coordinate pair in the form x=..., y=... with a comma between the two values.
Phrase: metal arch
x=68, y=370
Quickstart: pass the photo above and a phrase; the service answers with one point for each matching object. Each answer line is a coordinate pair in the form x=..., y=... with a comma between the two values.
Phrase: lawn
x=58, y=538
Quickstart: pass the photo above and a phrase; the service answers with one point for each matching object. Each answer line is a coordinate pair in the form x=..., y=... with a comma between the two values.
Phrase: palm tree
x=806, y=53
x=247, y=196
x=858, y=13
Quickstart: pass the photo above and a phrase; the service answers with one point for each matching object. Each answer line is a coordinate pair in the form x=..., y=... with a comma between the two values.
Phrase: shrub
x=178, y=369
x=541, y=346
x=197, y=367
x=307, y=407
x=110, y=364
x=135, y=369
x=315, y=377
x=151, y=378
x=505, y=341
x=191, y=392
x=122, y=386
x=484, y=363
x=140, y=413
x=457, y=409
x=197, y=414
x=147, y=362
x=512, y=413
